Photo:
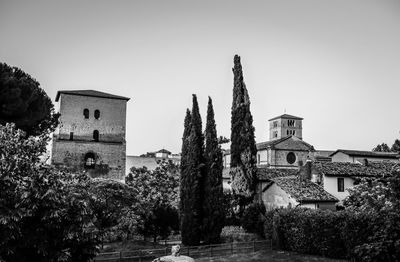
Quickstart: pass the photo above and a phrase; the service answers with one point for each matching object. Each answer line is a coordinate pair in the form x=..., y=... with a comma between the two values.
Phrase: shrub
x=237, y=234
x=253, y=219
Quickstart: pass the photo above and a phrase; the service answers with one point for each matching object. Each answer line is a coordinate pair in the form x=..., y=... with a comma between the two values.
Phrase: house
x=91, y=134
x=356, y=156
x=150, y=160
x=337, y=177
x=293, y=191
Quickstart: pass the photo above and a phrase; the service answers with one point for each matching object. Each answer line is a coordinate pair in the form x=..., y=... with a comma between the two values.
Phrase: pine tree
x=213, y=214
x=191, y=179
x=243, y=147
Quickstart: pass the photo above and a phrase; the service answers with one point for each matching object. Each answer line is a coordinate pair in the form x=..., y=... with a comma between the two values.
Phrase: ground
x=269, y=256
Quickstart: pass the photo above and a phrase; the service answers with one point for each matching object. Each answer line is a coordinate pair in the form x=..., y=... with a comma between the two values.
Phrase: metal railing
x=216, y=250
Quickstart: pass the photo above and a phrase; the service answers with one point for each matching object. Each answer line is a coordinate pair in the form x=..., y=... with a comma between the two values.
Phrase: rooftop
x=367, y=153
x=295, y=144
x=373, y=169
x=92, y=93
x=303, y=190
x=286, y=116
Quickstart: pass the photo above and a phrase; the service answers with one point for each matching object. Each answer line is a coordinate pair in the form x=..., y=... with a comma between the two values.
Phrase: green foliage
x=230, y=207
x=396, y=146
x=25, y=103
x=45, y=214
x=253, y=218
x=158, y=193
x=243, y=147
x=191, y=179
x=231, y=234
x=381, y=148
x=213, y=214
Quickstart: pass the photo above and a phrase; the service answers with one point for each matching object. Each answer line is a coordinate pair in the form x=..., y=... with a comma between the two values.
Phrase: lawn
x=269, y=256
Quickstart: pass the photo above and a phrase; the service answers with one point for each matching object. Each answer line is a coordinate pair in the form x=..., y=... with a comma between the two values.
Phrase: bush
x=237, y=234
x=253, y=219
x=321, y=232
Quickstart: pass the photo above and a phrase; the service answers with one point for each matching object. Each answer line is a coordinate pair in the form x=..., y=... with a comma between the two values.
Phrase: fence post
x=254, y=246
x=210, y=250
x=166, y=251
x=231, y=248
x=188, y=251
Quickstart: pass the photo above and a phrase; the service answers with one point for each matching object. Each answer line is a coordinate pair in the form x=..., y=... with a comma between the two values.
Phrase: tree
x=25, y=103
x=158, y=192
x=396, y=146
x=213, y=213
x=44, y=212
x=243, y=147
x=191, y=179
x=381, y=148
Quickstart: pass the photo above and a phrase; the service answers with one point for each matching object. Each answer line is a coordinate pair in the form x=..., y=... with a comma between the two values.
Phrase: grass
x=269, y=256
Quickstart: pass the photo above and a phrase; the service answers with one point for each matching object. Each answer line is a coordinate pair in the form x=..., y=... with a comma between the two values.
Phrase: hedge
x=320, y=232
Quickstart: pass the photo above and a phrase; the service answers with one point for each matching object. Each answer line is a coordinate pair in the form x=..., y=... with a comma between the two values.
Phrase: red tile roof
x=92, y=93
x=359, y=153
x=373, y=169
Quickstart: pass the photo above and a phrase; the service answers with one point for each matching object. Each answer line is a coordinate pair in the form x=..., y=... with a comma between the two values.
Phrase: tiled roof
x=264, y=145
x=287, y=117
x=163, y=151
x=92, y=93
x=373, y=169
x=367, y=153
x=303, y=190
x=292, y=143
x=270, y=173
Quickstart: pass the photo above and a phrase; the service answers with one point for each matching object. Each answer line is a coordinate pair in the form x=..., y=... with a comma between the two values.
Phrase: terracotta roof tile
x=373, y=169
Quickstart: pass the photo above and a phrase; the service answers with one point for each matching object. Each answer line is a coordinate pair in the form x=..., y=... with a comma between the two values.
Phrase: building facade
x=91, y=133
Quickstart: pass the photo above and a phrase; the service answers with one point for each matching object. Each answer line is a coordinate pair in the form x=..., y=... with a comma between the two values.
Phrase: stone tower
x=91, y=133
x=285, y=125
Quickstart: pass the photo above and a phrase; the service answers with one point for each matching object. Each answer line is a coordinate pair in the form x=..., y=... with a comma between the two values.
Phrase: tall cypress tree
x=191, y=180
x=183, y=192
x=243, y=146
x=213, y=214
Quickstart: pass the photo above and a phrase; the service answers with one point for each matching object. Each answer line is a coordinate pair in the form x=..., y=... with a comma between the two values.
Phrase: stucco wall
x=331, y=186
x=282, y=127
x=279, y=158
x=274, y=196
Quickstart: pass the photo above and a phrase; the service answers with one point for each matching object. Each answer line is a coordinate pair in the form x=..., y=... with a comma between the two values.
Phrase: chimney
x=305, y=171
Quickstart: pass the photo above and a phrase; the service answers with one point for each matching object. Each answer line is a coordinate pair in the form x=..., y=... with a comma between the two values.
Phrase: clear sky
x=334, y=63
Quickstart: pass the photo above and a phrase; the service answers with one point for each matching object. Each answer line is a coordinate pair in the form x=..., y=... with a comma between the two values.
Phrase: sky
x=334, y=63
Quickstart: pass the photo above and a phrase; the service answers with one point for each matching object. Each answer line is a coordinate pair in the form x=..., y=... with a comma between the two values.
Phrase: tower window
x=290, y=122
x=96, y=114
x=275, y=124
x=291, y=158
x=258, y=159
x=89, y=160
x=71, y=136
x=96, y=135
x=86, y=113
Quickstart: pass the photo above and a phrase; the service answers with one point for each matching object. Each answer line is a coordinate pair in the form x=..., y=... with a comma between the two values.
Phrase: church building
x=91, y=133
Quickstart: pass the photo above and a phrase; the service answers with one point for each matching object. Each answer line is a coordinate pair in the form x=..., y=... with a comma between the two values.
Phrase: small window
x=89, y=160
x=71, y=136
x=86, y=113
x=294, y=132
x=290, y=122
x=96, y=114
x=291, y=158
x=96, y=135
x=340, y=184
x=275, y=134
x=287, y=132
x=275, y=123
x=258, y=159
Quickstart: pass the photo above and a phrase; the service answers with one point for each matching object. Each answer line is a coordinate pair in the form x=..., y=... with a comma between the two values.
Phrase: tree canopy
x=25, y=103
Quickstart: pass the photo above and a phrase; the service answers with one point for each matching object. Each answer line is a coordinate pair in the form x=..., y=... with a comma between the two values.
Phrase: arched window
x=86, y=113
x=89, y=160
x=96, y=135
x=96, y=114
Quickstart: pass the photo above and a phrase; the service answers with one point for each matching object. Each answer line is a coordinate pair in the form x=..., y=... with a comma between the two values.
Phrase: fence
x=217, y=250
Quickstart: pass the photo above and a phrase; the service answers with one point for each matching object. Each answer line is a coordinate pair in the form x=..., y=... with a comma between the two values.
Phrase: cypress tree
x=191, y=180
x=184, y=166
x=243, y=146
x=213, y=214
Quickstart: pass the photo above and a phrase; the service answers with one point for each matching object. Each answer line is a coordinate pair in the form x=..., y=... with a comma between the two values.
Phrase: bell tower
x=285, y=125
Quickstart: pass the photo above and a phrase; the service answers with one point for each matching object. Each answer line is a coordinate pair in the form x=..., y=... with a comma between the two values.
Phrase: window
x=96, y=135
x=71, y=136
x=340, y=184
x=86, y=113
x=290, y=122
x=96, y=114
x=291, y=158
x=275, y=124
x=89, y=160
x=276, y=134
x=258, y=159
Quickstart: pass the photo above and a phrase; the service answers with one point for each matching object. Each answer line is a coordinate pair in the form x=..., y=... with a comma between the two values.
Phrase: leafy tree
x=253, y=218
x=24, y=102
x=381, y=148
x=223, y=140
x=243, y=147
x=158, y=192
x=213, y=213
x=44, y=213
x=396, y=146
x=191, y=179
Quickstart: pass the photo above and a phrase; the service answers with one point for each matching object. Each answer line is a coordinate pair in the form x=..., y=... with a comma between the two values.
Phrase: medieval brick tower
x=285, y=125
x=91, y=134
